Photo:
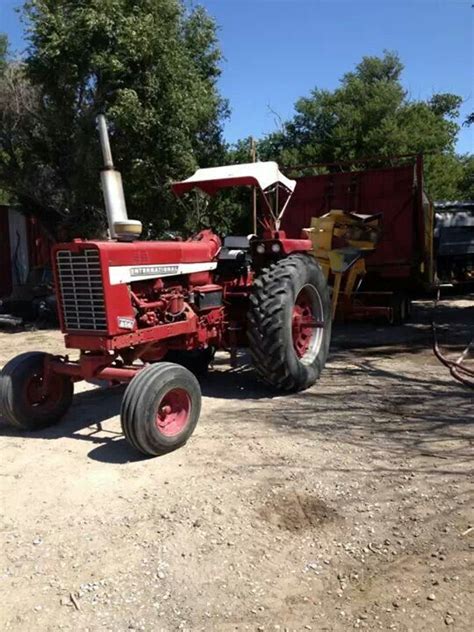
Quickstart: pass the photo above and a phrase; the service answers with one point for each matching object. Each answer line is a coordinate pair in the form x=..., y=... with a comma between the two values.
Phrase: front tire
x=160, y=408
x=289, y=323
x=22, y=400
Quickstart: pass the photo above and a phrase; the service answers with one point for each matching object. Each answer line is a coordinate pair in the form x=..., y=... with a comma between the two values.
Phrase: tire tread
x=266, y=321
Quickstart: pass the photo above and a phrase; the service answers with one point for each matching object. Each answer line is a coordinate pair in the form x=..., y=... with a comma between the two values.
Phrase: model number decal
x=125, y=323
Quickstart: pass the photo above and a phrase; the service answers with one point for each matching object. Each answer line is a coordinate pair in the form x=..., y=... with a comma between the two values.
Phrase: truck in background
x=454, y=242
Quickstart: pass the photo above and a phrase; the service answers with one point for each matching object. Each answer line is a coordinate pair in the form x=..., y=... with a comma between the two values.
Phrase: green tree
x=3, y=65
x=444, y=174
x=469, y=119
x=466, y=184
x=370, y=114
x=3, y=52
x=238, y=202
x=152, y=66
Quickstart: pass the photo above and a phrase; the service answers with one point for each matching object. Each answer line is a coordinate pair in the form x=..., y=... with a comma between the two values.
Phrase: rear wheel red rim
x=173, y=412
x=307, y=324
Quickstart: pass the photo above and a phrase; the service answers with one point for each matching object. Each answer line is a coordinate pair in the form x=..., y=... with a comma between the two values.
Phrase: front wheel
x=160, y=408
x=289, y=323
x=24, y=402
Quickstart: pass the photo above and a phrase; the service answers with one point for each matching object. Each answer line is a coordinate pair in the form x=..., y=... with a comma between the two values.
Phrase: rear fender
x=276, y=244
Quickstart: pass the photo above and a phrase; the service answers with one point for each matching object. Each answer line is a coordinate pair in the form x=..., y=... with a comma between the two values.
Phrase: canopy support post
x=253, y=152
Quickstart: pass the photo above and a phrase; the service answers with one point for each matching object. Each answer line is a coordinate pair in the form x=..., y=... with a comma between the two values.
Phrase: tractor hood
x=262, y=174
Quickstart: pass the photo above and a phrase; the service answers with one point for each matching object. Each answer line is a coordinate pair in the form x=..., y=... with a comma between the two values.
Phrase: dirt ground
x=346, y=506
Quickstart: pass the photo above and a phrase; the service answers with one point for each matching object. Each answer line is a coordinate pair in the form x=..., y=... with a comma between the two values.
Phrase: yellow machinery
x=341, y=240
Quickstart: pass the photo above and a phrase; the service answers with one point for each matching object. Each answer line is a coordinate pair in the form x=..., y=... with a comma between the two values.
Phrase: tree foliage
x=3, y=65
x=371, y=114
x=466, y=183
x=3, y=52
x=152, y=66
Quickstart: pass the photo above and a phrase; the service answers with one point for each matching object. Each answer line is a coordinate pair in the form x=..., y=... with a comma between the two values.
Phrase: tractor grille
x=82, y=292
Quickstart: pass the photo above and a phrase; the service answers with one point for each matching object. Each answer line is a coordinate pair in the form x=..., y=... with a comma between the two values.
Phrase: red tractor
x=131, y=306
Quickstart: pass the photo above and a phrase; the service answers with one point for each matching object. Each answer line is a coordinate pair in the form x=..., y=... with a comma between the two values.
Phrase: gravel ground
x=346, y=506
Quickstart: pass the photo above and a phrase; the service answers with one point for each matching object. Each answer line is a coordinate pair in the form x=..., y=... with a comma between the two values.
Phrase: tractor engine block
x=113, y=295
x=156, y=303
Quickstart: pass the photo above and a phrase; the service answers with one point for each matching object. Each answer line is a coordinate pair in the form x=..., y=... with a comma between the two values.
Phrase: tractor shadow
x=85, y=421
x=239, y=382
x=92, y=410
x=357, y=341
x=427, y=407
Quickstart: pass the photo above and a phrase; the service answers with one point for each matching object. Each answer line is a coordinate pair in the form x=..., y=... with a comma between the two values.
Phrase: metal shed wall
x=5, y=265
x=23, y=245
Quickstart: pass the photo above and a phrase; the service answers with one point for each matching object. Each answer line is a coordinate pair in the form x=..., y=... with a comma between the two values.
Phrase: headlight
x=276, y=247
x=260, y=249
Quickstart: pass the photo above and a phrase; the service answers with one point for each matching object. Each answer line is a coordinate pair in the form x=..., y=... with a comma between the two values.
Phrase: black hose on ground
x=458, y=370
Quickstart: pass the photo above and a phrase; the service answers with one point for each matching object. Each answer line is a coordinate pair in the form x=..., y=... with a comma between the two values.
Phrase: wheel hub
x=305, y=323
x=173, y=412
x=35, y=394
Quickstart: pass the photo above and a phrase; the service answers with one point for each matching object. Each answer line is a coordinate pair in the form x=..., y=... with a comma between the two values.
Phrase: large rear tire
x=22, y=400
x=160, y=408
x=289, y=323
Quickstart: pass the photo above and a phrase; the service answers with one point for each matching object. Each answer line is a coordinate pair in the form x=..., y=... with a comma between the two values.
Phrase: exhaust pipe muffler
x=120, y=227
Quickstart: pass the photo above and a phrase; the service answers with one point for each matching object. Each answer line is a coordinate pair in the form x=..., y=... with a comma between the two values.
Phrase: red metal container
x=403, y=259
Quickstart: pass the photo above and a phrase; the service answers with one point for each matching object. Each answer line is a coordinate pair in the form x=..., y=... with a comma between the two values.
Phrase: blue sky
x=278, y=50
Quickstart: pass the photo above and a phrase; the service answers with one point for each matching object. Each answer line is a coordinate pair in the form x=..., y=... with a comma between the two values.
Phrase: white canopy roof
x=261, y=174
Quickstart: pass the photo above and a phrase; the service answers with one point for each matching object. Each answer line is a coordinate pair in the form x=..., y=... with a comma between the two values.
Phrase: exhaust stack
x=120, y=227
